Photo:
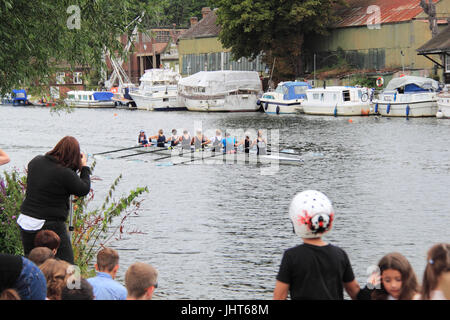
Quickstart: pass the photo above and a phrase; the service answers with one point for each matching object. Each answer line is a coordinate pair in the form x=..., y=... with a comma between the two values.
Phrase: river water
x=219, y=231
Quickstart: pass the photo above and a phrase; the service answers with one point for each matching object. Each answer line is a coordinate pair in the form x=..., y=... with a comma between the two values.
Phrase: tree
x=180, y=11
x=276, y=28
x=37, y=35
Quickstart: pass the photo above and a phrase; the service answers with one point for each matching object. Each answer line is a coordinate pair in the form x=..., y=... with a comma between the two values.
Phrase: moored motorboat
x=220, y=91
x=89, y=99
x=408, y=96
x=443, y=102
x=157, y=91
x=337, y=101
x=18, y=97
x=286, y=98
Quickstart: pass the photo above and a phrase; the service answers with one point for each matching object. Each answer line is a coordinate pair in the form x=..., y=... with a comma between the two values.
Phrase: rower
x=229, y=143
x=246, y=142
x=199, y=141
x=185, y=140
x=174, y=138
x=216, y=141
x=160, y=139
x=142, y=138
x=261, y=144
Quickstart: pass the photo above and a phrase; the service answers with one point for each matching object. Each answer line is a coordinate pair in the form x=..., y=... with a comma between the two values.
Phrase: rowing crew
x=217, y=143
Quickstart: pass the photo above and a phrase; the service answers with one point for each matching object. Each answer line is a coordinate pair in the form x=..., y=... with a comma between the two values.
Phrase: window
x=300, y=89
x=85, y=97
x=77, y=78
x=60, y=78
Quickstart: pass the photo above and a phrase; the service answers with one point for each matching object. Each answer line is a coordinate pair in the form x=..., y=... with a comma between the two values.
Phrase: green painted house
x=200, y=49
x=379, y=36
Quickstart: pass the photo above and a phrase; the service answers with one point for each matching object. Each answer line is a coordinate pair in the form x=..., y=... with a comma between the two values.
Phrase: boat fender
x=380, y=81
x=335, y=111
x=407, y=110
x=376, y=108
x=439, y=114
x=388, y=109
x=258, y=102
x=395, y=96
x=278, y=109
x=266, y=106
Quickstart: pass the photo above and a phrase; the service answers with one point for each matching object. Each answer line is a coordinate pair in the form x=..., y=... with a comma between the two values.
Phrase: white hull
x=280, y=107
x=224, y=103
x=416, y=109
x=347, y=109
x=444, y=106
x=87, y=104
x=154, y=102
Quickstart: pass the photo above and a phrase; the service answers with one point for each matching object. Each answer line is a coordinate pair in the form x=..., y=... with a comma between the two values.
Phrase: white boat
x=213, y=91
x=90, y=99
x=337, y=101
x=443, y=102
x=157, y=91
x=408, y=96
x=286, y=98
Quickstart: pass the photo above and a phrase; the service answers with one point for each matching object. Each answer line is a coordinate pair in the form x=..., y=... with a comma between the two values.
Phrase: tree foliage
x=180, y=11
x=275, y=27
x=40, y=34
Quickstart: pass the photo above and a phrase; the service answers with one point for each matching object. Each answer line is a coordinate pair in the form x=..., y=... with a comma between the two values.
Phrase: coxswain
x=142, y=138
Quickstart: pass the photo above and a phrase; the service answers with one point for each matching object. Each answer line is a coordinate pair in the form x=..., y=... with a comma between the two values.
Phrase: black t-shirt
x=315, y=273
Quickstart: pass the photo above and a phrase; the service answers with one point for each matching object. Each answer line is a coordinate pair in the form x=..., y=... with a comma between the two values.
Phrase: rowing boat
x=178, y=156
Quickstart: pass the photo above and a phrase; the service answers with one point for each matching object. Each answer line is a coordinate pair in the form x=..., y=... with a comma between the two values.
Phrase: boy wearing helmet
x=314, y=270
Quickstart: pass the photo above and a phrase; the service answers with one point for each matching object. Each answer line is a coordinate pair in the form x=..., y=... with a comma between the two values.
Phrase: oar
x=194, y=159
x=165, y=157
x=135, y=154
x=96, y=154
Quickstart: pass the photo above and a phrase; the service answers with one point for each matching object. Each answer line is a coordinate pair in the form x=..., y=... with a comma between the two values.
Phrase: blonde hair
x=9, y=294
x=55, y=272
x=139, y=277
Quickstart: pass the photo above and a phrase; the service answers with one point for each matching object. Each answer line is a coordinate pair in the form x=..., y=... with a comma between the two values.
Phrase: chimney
x=205, y=11
x=194, y=21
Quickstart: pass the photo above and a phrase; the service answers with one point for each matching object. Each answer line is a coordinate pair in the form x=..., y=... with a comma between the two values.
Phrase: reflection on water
x=219, y=231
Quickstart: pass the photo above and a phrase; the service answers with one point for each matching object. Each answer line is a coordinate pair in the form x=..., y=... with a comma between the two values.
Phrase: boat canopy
x=103, y=96
x=160, y=76
x=19, y=95
x=413, y=84
x=295, y=90
x=216, y=82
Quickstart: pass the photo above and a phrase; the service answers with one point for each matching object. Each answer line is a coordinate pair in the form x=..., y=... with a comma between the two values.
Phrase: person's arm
x=4, y=158
x=352, y=288
x=79, y=185
x=206, y=142
x=281, y=290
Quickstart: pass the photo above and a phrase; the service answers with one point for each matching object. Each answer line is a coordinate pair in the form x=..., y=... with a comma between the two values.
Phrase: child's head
x=107, y=260
x=438, y=262
x=311, y=213
x=397, y=278
x=47, y=238
x=40, y=254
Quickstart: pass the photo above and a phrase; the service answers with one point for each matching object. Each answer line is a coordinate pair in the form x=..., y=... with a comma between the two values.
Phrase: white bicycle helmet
x=311, y=213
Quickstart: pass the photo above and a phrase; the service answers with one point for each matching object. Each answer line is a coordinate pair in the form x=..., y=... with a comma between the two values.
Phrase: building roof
x=205, y=28
x=438, y=44
x=358, y=12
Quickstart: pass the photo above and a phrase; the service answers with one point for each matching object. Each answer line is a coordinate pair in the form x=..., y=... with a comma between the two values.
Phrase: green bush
x=12, y=193
x=93, y=229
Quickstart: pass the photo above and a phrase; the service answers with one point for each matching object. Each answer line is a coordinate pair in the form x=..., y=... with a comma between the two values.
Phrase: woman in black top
x=160, y=139
x=51, y=180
